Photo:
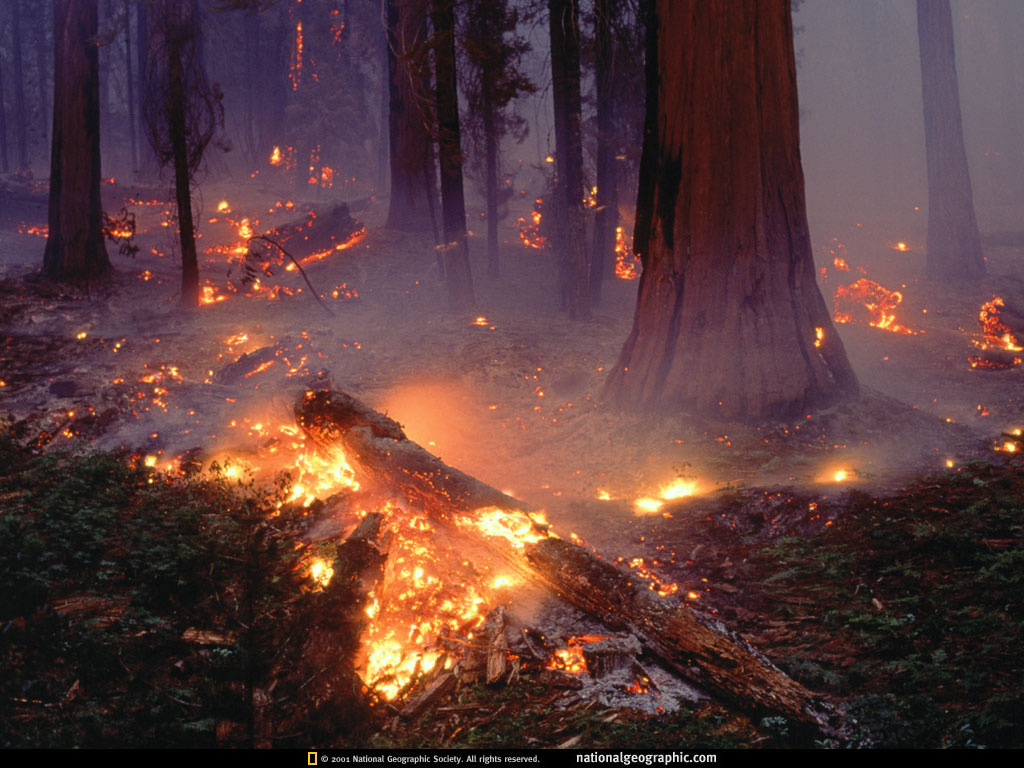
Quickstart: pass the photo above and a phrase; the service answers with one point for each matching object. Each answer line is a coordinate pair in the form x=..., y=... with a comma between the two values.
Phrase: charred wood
x=698, y=649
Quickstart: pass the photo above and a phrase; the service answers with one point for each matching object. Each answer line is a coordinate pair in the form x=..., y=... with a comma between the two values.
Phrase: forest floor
x=893, y=587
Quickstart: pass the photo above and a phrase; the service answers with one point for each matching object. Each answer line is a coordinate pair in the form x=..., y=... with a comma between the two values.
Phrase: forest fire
x=865, y=301
x=278, y=533
x=996, y=338
x=627, y=265
x=530, y=231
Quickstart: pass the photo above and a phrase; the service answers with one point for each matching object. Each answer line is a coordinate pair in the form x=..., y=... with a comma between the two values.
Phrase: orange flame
x=867, y=301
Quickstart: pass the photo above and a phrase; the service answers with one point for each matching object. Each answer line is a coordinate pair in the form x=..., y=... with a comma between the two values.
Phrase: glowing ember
x=529, y=231
x=321, y=572
x=678, y=489
x=627, y=265
x=518, y=528
x=275, y=156
x=819, y=337
x=295, y=71
x=647, y=505
x=867, y=301
x=223, y=206
x=996, y=335
x=570, y=659
x=901, y=246
x=840, y=264
x=840, y=476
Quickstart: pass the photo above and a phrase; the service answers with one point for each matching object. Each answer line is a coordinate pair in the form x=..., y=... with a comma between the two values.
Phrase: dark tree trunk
x=21, y=122
x=954, y=244
x=147, y=159
x=565, y=87
x=413, y=190
x=602, y=253
x=74, y=247
x=453, y=201
x=491, y=160
x=274, y=80
x=132, y=125
x=3, y=123
x=729, y=319
x=178, y=133
x=42, y=74
x=385, y=110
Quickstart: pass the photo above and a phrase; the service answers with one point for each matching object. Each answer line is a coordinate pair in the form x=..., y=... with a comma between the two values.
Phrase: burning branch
x=298, y=266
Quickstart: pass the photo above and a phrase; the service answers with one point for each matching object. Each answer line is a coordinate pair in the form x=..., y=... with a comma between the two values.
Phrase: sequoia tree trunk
x=565, y=90
x=954, y=244
x=453, y=202
x=74, y=246
x=729, y=320
x=413, y=192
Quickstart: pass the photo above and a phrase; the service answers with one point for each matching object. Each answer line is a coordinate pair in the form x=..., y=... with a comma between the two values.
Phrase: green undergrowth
x=142, y=610
x=911, y=611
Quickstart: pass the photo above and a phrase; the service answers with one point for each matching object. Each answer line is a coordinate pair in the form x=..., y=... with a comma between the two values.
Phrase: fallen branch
x=698, y=649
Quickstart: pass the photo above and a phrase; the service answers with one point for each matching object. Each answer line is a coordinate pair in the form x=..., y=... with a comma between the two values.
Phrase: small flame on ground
x=866, y=300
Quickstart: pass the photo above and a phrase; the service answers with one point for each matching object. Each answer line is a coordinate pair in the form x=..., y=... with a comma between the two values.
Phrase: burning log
x=698, y=649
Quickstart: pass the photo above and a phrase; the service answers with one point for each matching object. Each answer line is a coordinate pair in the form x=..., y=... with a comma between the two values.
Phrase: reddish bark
x=954, y=243
x=74, y=247
x=728, y=313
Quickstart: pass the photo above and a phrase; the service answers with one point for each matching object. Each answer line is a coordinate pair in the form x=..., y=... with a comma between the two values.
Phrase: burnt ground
x=514, y=400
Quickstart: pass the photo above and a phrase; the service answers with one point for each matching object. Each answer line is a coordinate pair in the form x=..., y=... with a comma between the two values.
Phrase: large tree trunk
x=453, y=202
x=954, y=244
x=699, y=650
x=413, y=190
x=74, y=247
x=565, y=89
x=729, y=319
x=606, y=218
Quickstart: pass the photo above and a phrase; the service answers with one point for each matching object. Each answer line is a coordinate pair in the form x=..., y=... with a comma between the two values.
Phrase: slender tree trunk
x=385, y=109
x=413, y=196
x=729, y=320
x=21, y=124
x=42, y=75
x=954, y=243
x=74, y=247
x=147, y=159
x=457, y=270
x=602, y=253
x=5, y=164
x=565, y=86
x=129, y=80
x=491, y=160
x=176, y=99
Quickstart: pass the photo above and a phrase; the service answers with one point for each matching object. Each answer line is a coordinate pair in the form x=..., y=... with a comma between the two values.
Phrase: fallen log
x=699, y=649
